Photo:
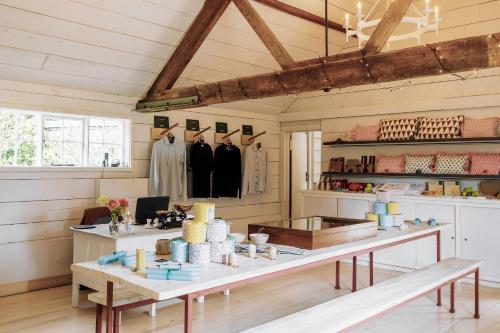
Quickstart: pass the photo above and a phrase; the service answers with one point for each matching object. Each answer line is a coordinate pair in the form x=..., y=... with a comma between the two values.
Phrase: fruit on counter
x=469, y=192
x=369, y=188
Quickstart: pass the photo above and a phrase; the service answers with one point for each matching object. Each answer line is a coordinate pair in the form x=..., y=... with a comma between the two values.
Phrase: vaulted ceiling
x=119, y=46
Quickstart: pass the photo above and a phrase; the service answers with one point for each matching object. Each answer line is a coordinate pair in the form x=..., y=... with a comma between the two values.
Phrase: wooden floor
x=50, y=311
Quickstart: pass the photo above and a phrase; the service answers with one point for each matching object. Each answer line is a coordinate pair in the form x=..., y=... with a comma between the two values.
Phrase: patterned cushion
x=440, y=128
x=480, y=128
x=366, y=133
x=419, y=164
x=452, y=164
x=389, y=164
x=485, y=164
x=397, y=129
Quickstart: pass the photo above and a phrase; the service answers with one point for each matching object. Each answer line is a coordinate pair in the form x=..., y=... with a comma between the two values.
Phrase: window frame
x=126, y=134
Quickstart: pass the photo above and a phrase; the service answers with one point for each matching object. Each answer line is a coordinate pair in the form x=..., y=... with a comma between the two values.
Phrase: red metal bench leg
x=476, y=294
x=337, y=275
x=452, y=297
x=109, y=307
x=438, y=259
x=371, y=268
x=98, y=318
x=354, y=273
x=188, y=313
x=116, y=320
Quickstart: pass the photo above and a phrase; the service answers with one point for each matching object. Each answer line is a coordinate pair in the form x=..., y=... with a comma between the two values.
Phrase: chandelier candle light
x=422, y=21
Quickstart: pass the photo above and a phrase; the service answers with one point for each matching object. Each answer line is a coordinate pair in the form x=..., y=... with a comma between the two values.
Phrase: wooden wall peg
x=190, y=136
x=158, y=133
x=248, y=139
x=222, y=137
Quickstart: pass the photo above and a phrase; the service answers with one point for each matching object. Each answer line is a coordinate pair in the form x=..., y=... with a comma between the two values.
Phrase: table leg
x=452, y=297
x=116, y=321
x=337, y=275
x=438, y=259
x=109, y=307
x=75, y=293
x=371, y=268
x=476, y=294
x=98, y=318
x=188, y=313
x=152, y=310
x=354, y=272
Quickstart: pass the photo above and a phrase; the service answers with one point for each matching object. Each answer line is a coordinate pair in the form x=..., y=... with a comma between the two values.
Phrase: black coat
x=227, y=172
x=201, y=161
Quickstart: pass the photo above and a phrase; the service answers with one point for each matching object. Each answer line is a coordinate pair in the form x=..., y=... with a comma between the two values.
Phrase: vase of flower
x=114, y=226
x=117, y=208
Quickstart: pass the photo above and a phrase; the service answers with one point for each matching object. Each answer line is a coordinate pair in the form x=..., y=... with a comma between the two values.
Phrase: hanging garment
x=201, y=163
x=256, y=173
x=167, y=176
x=227, y=172
x=189, y=170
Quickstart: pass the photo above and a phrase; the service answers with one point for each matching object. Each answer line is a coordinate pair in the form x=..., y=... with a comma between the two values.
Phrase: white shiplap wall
x=39, y=207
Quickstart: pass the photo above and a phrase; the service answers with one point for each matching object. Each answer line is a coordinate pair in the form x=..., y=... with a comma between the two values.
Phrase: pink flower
x=113, y=204
x=123, y=203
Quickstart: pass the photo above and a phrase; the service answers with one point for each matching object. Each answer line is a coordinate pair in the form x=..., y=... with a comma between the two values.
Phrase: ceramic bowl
x=259, y=238
x=238, y=237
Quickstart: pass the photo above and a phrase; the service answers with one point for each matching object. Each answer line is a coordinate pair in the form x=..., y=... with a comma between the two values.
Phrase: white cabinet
x=319, y=206
x=474, y=231
x=480, y=239
x=427, y=248
x=353, y=209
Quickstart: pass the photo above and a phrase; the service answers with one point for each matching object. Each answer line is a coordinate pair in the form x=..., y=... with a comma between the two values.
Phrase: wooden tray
x=316, y=232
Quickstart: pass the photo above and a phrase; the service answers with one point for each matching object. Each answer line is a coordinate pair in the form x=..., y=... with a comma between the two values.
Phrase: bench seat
x=121, y=296
x=353, y=309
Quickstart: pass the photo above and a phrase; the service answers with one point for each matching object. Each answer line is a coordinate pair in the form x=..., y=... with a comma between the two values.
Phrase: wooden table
x=220, y=277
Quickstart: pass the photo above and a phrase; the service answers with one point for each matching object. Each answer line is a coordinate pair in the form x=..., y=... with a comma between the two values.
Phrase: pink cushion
x=480, y=128
x=390, y=164
x=485, y=164
x=366, y=133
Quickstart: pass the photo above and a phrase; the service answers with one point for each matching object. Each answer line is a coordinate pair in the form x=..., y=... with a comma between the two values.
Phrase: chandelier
x=422, y=22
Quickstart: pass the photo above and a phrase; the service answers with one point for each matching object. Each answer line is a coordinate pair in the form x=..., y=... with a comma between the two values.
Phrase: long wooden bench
x=346, y=312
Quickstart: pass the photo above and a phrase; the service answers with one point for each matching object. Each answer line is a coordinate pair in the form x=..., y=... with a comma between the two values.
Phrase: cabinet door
x=319, y=206
x=480, y=236
x=427, y=248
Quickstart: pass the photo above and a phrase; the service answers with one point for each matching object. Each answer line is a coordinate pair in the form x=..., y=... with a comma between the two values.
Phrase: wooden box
x=316, y=232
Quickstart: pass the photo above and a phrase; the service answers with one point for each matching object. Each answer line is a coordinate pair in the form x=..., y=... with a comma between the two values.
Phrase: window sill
x=64, y=169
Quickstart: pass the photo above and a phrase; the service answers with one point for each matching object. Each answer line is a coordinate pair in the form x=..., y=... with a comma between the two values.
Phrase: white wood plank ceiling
x=118, y=47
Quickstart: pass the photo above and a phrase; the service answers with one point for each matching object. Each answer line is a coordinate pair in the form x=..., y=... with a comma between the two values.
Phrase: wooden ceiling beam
x=190, y=43
x=286, y=8
x=265, y=34
x=352, y=69
x=390, y=21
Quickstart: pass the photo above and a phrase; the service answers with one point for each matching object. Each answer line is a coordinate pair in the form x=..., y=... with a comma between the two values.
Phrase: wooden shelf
x=410, y=143
x=407, y=175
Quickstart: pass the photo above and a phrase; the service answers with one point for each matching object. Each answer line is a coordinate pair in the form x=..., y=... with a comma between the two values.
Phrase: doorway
x=304, y=167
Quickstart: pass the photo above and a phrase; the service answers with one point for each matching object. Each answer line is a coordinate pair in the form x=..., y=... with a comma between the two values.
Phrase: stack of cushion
x=424, y=128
